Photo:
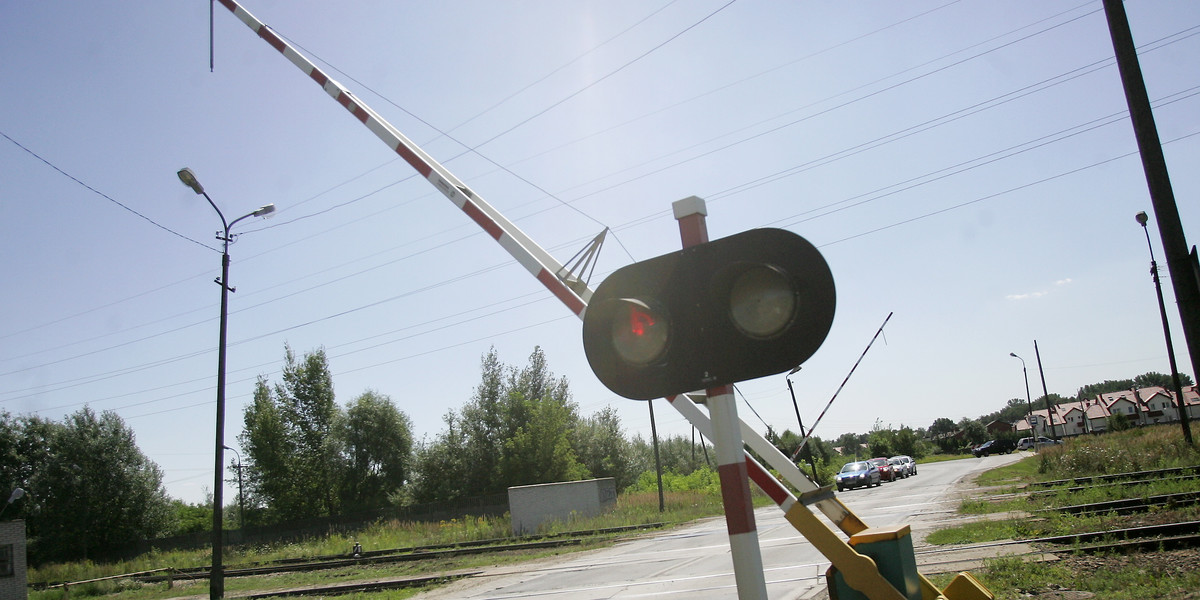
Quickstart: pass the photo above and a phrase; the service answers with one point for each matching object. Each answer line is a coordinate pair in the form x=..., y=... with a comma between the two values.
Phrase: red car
x=886, y=472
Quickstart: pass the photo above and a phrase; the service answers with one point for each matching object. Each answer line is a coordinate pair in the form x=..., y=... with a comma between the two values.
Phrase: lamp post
x=1162, y=311
x=1028, y=401
x=241, y=497
x=803, y=434
x=216, y=586
x=16, y=494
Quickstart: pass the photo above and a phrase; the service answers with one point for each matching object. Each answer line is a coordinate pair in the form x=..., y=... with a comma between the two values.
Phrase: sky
x=966, y=166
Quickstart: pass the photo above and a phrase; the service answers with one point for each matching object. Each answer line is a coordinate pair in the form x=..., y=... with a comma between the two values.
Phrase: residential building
x=1141, y=406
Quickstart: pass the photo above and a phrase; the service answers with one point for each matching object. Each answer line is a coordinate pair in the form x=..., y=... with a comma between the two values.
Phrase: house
x=997, y=427
x=1075, y=419
x=1039, y=423
x=1141, y=406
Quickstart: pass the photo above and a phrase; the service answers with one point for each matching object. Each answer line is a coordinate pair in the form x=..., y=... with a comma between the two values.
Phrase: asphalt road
x=694, y=562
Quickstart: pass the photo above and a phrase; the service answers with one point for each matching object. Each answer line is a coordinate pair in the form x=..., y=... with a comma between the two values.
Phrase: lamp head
x=1013, y=354
x=189, y=179
x=1141, y=218
x=264, y=211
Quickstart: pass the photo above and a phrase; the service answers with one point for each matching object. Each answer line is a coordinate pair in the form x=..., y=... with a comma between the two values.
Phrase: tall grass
x=1148, y=448
x=1142, y=449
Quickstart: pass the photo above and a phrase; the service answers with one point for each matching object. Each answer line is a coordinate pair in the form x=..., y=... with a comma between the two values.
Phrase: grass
x=1169, y=574
x=638, y=508
x=933, y=458
x=1137, y=577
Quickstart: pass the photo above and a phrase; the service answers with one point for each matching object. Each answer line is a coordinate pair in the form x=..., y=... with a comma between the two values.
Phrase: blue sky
x=966, y=165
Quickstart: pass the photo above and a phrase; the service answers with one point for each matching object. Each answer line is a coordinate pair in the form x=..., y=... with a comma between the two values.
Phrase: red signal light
x=639, y=320
x=642, y=337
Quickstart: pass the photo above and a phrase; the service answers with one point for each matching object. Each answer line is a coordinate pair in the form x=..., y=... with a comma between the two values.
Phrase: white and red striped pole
x=727, y=443
x=537, y=261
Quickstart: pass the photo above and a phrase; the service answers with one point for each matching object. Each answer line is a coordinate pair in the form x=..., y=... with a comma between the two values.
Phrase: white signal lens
x=762, y=302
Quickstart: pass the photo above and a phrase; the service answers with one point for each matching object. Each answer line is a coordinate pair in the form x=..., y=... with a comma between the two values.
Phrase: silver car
x=904, y=466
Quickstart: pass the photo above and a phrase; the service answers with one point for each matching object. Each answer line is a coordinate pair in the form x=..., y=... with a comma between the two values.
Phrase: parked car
x=1000, y=446
x=886, y=472
x=903, y=465
x=1028, y=442
x=857, y=474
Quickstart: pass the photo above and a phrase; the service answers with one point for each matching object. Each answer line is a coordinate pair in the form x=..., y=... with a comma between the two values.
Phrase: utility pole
x=1050, y=410
x=1182, y=265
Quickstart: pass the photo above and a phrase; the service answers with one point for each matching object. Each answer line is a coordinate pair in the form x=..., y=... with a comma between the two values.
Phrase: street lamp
x=216, y=579
x=1028, y=401
x=1162, y=310
x=17, y=494
x=803, y=434
x=241, y=498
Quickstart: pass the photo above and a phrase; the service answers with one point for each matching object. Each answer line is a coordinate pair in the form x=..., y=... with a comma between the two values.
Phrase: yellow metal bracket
x=860, y=571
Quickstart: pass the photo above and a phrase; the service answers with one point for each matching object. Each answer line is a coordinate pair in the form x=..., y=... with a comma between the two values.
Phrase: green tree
x=942, y=426
x=1150, y=379
x=191, y=518
x=907, y=443
x=377, y=441
x=91, y=488
x=881, y=441
x=677, y=453
x=539, y=451
x=973, y=431
x=601, y=446
x=307, y=401
x=1118, y=422
x=306, y=457
x=269, y=450
x=439, y=469
x=1014, y=410
x=482, y=429
x=21, y=455
x=1161, y=380
x=288, y=438
x=816, y=453
x=518, y=427
x=850, y=444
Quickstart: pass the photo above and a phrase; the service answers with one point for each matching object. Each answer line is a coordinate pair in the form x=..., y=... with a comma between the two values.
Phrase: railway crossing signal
x=774, y=291
x=746, y=306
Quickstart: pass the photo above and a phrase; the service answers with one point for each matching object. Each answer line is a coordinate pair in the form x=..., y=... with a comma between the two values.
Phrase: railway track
x=1131, y=505
x=379, y=557
x=1146, y=538
x=1192, y=472
x=1173, y=535
x=1124, y=506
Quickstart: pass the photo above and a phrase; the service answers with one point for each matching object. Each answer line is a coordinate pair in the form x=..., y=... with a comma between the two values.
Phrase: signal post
x=727, y=444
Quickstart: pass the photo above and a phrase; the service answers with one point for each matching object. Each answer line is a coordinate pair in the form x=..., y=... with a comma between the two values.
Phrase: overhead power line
x=105, y=196
x=1065, y=174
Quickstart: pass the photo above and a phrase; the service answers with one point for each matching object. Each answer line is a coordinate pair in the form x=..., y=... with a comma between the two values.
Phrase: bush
x=704, y=480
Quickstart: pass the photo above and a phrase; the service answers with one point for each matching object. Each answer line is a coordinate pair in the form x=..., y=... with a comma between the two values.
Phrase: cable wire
x=105, y=196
